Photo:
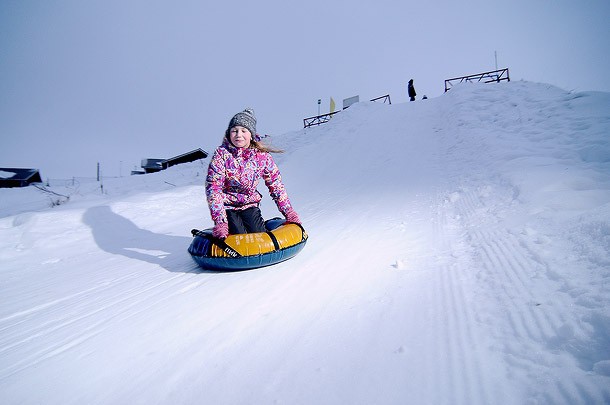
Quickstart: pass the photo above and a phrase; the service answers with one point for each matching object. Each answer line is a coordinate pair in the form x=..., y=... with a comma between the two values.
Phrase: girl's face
x=240, y=137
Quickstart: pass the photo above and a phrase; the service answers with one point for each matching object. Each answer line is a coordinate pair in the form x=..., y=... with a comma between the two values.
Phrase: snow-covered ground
x=458, y=253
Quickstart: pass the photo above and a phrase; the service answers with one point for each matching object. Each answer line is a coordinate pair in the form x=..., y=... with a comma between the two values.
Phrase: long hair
x=263, y=147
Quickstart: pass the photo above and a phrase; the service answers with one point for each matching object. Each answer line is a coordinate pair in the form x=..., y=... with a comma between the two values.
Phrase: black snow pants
x=249, y=220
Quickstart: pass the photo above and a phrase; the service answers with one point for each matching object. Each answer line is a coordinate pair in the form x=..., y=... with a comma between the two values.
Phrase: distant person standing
x=412, y=93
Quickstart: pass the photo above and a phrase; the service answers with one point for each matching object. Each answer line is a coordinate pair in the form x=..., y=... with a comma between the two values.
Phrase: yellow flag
x=332, y=105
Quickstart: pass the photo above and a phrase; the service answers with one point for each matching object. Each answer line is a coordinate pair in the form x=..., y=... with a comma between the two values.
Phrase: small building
x=152, y=165
x=156, y=165
x=187, y=157
x=11, y=177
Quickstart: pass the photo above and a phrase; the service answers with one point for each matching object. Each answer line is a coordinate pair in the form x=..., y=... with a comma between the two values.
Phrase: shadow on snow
x=118, y=235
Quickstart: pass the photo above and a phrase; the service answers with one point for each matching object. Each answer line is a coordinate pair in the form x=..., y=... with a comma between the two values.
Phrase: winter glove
x=221, y=230
x=292, y=216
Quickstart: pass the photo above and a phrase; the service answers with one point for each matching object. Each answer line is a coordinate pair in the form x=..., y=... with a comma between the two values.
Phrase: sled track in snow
x=525, y=326
x=62, y=317
x=459, y=360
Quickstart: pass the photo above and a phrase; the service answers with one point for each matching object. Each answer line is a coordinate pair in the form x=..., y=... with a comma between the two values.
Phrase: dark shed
x=185, y=158
x=155, y=165
x=11, y=177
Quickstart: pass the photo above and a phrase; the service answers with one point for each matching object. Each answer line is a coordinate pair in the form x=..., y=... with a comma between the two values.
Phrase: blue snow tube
x=282, y=241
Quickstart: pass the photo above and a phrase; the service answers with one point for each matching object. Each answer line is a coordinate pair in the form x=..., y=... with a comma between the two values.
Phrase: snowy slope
x=459, y=253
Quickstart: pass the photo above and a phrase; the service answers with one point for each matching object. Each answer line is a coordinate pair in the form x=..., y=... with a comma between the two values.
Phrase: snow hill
x=458, y=253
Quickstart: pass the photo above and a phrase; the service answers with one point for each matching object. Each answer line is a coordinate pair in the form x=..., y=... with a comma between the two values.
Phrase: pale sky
x=115, y=81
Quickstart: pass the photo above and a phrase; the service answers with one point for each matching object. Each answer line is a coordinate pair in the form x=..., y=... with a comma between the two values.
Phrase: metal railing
x=318, y=119
x=384, y=99
x=324, y=118
x=495, y=76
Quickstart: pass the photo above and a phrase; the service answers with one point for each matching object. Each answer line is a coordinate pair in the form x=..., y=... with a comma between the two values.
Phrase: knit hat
x=244, y=119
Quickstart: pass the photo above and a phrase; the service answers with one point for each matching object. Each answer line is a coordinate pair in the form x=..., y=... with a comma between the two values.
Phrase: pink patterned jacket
x=233, y=176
